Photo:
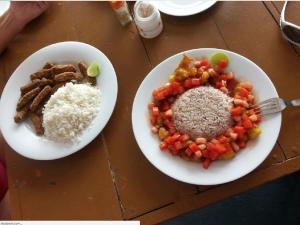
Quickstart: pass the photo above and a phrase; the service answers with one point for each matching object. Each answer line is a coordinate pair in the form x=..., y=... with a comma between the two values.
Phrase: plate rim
x=93, y=137
x=188, y=51
x=194, y=12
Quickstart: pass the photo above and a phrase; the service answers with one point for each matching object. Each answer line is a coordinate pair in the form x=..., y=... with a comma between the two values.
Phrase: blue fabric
x=275, y=203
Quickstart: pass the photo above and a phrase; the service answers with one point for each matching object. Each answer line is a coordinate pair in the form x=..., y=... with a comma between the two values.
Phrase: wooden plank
x=77, y=187
x=227, y=190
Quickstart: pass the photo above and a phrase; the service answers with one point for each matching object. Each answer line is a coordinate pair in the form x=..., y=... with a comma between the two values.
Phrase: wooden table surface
x=111, y=179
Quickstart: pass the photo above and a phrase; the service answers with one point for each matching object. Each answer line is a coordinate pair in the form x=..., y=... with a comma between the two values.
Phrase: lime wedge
x=93, y=70
x=216, y=57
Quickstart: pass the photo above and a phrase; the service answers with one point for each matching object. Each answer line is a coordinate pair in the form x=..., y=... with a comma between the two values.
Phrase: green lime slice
x=93, y=70
x=216, y=57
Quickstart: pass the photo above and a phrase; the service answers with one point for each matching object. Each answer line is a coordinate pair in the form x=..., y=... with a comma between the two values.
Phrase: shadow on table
x=275, y=203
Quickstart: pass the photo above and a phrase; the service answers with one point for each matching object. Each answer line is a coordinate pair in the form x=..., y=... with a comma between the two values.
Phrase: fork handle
x=295, y=102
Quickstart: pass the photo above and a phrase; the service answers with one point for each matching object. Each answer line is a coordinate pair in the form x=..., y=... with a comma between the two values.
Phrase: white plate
x=21, y=137
x=220, y=171
x=183, y=7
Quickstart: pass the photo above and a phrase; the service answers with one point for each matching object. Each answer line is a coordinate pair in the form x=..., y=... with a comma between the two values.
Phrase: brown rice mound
x=202, y=112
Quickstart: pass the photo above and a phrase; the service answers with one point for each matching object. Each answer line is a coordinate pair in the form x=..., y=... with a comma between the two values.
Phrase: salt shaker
x=147, y=18
x=122, y=11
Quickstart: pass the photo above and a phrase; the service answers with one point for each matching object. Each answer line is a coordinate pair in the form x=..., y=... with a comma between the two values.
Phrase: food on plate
x=46, y=73
x=48, y=65
x=69, y=111
x=43, y=86
x=39, y=98
x=63, y=68
x=83, y=69
x=203, y=113
x=93, y=70
x=68, y=76
x=27, y=98
x=21, y=115
x=37, y=123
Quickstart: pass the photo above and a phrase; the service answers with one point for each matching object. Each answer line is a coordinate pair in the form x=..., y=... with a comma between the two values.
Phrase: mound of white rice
x=202, y=112
x=69, y=111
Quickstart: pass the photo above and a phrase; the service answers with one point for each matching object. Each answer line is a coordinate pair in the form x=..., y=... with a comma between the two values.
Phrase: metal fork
x=274, y=105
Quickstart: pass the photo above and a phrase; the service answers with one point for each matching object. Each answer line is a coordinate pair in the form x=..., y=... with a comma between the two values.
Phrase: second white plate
x=21, y=137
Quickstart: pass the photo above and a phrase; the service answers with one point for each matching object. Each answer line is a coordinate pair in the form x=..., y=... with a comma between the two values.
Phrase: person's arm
x=16, y=18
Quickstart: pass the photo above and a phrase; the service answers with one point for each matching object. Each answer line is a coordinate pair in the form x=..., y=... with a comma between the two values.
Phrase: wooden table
x=111, y=179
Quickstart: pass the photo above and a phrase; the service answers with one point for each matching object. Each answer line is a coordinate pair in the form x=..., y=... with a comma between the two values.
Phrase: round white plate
x=220, y=171
x=183, y=7
x=21, y=137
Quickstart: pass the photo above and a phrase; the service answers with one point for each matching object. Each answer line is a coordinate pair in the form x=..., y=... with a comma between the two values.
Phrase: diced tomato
x=168, y=123
x=219, y=84
x=240, y=131
x=188, y=83
x=211, y=152
x=195, y=82
x=174, y=138
x=223, y=63
x=153, y=120
x=163, y=145
x=165, y=106
x=167, y=114
x=178, y=145
x=155, y=111
x=189, y=152
x=150, y=106
x=247, y=124
x=220, y=148
x=244, y=92
x=222, y=139
x=172, y=130
x=236, y=111
x=184, y=137
x=194, y=147
x=176, y=87
x=204, y=62
x=206, y=163
x=241, y=144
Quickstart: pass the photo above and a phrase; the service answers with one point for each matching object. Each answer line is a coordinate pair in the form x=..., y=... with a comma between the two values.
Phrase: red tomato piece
x=223, y=139
x=244, y=93
x=204, y=62
x=195, y=82
x=206, y=163
x=187, y=83
x=219, y=84
x=241, y=144
x=163, y=145
x=189, y=152
x=220, y=148
x=155, y=111
x=247, y=124
x=175, y=137
x=223, y=63
x=240, y=131
x=184, y=137
x=178, y=145
x=236, y=111
x=153, y=120
x=194, y=147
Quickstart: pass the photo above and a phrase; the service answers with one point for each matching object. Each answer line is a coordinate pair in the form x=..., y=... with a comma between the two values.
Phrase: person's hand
x=24, y=12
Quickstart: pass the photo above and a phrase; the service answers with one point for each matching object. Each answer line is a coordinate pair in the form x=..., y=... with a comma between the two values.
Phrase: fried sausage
x=47, y=73
x=48, y=65
x=27, y=97
x=57, y=86
x=37, y=123
x=68, y=76
x=39, y=110
x=39, y=98
x=63, y=68
x=83, y=69
x=28, y=87
x=21, y=115
x=43, y=82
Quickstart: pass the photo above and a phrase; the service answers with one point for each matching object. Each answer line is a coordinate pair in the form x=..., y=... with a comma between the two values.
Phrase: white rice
x=202, y=112
x=69, y=111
